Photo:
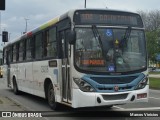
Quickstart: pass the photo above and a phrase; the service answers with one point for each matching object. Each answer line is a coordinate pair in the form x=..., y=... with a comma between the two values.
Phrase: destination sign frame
x=109, y=18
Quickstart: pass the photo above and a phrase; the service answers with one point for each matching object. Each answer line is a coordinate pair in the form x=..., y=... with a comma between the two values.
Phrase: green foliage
x=154, y=83
x=153, y=45
x=151, y=20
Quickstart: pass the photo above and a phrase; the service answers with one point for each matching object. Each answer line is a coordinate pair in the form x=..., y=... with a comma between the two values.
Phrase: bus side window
x=4, y=55
x=14, y=53
x=21, y=51
x=28, y=49
x=17, y=51
x=1, y=58
x=24, y=50
x=11, y=54
x=46, y=42
x=38, y=46
x=50, y=43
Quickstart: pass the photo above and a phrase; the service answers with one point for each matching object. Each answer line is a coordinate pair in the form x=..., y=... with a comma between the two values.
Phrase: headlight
x=142, y=83
x=84, y=86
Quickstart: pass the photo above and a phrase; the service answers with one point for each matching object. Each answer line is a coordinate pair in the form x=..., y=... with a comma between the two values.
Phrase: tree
x=152, y=45
x=151, y=20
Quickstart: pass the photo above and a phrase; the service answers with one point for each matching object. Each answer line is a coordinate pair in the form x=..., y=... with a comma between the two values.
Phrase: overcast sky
x=40, y=11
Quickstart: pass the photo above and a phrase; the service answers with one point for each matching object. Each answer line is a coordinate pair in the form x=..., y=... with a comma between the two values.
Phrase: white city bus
x=83, y=58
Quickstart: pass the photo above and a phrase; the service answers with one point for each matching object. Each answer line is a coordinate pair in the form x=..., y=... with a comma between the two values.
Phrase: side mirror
x=4, y=36
x=71, y=37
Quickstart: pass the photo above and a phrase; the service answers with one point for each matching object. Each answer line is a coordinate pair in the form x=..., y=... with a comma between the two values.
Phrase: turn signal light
x=143, y=95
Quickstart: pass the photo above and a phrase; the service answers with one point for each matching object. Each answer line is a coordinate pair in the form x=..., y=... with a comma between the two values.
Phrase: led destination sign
x=108, y=17
x=93, y=62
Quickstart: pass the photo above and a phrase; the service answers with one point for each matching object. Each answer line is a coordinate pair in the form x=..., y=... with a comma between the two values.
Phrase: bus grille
x=114, y=80
x=111, y=88
x=115, y=97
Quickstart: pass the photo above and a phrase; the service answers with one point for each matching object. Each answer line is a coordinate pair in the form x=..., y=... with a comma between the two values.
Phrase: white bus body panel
x=87, y=99
x=24, y=77
x=5, y=75
x=30, y=77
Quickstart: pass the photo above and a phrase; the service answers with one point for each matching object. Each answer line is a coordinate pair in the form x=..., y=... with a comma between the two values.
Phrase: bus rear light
x=142, y=95
x=29, y=34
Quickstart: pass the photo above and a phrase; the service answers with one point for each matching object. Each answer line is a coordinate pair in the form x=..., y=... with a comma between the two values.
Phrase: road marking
x=118, y=107
x=155, y=98
x=139, y=109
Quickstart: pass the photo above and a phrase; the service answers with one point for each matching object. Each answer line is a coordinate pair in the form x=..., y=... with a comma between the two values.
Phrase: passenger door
x=65, y=71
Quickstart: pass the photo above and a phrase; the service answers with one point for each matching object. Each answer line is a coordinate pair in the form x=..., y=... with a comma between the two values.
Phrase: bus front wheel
x=51, y=98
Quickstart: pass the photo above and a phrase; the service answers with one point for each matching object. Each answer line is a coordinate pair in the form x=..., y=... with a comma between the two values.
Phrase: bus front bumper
x=89, y=99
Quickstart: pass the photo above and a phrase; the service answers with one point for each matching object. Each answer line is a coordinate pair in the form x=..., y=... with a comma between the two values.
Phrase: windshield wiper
x=97, y=36
x=126, y=36
x=127, y=33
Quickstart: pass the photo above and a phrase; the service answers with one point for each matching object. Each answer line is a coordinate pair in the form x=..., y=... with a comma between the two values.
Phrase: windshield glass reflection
x=110, y=50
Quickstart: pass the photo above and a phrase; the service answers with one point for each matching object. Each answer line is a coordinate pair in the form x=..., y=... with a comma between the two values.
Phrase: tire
x=15, y=87
x=51, y=98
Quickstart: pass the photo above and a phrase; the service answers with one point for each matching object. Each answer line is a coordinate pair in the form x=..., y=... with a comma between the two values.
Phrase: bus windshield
x=112, y=50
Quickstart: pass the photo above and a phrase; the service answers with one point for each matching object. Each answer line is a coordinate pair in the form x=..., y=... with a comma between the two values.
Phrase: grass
x=1, y=102
x=154, y=83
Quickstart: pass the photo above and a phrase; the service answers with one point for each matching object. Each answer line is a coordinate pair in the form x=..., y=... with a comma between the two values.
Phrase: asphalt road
x=33, y=103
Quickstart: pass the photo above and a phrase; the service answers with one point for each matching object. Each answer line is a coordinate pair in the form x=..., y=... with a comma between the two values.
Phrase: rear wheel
x=15, y=87
x=51, y=97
